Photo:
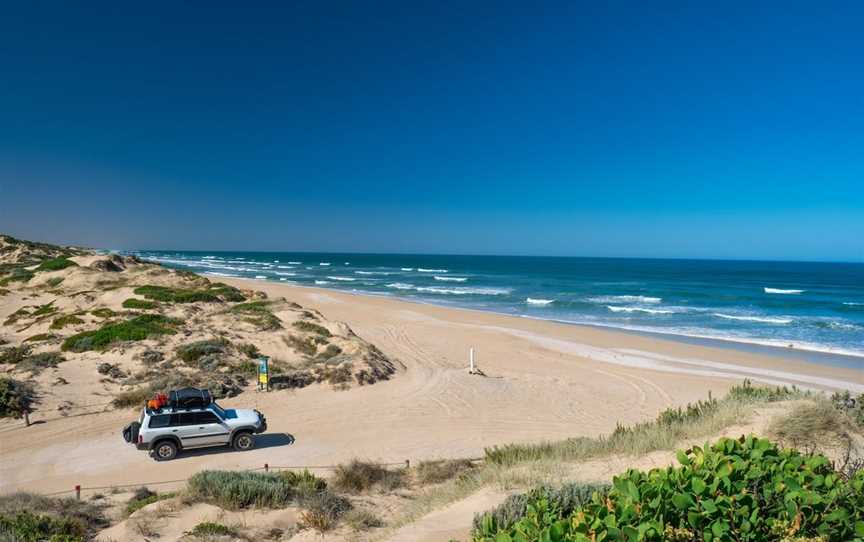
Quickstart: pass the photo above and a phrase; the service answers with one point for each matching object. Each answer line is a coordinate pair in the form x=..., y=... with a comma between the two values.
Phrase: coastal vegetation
x=55, y=264
x=134, y=303
x=16, y=397
x=134, y=329
x=28, y=517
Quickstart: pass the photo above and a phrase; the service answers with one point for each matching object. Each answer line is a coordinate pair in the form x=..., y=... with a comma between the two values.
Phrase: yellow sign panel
x=262, y=378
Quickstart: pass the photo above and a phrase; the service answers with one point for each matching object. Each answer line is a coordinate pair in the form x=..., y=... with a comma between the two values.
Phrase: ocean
x=799, y=306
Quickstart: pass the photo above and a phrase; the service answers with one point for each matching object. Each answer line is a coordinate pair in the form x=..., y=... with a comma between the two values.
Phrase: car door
x=211, y=429
x=184, y=425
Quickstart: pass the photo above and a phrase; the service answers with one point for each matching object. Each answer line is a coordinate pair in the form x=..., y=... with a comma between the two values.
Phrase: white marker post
x=471, y=357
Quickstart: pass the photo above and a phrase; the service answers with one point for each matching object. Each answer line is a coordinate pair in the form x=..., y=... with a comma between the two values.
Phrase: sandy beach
x=544, y=381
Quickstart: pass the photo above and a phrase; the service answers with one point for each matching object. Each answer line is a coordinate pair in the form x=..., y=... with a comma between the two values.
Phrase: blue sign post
x=263, y=373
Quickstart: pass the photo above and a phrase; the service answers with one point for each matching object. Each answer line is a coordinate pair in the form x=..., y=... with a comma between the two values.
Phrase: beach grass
x=135, y=329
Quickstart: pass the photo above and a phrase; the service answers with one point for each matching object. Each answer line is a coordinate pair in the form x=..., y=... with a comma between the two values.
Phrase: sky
x=644, y=129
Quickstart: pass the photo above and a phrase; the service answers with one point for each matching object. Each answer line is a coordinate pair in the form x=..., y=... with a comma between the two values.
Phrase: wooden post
x=78, y=492
x=266, y=467
x=26, y=418
x=407, y=463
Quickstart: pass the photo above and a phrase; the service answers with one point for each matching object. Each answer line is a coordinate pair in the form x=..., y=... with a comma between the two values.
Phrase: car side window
x=207, y=417
x=159, y=421
x=184, y=418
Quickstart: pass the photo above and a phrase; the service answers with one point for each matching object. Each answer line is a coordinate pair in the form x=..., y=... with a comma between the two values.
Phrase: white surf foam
x=463, y=291
x=322, y=282
x=401, y=286
x=532, y=301
x=324, y=264
x=420, y=269
x=260, y=276
x=343, y=279
x=625, y=299
x=614, y=308
x=295, y=263
x=452, y=279
x=782, y=291
x=285, y=266
x=761, y=319
x=374, y=272
x=853, y=304
x=407, y=269
x=285, y=273
x=218, y=274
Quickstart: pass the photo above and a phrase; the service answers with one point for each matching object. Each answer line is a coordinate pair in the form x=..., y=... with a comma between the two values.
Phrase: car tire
x=244, y=441
x=164, y=450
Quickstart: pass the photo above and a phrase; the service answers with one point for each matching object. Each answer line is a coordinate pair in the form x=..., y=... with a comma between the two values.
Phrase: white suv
x=167, y=430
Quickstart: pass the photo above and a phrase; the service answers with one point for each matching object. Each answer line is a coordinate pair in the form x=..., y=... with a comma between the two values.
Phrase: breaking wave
x=625, y=299
x=532, y=301
x=343, y=279
x=452, y=279
x=781, y=291
x=420, y=269
x=762, y=319
x=614, y=308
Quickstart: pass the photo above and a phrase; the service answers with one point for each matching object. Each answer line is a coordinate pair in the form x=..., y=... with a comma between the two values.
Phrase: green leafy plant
x=65, y=320
x=238, y=489
x=192, y=352
x=310, y=327
x=737, y=490
x=16, y=398
x=209, y=528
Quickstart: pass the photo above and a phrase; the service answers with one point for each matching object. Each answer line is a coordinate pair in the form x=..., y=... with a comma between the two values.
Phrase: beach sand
x=544, y=381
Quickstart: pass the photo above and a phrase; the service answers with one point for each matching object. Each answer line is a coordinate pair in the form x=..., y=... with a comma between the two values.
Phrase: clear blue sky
x=679, y=129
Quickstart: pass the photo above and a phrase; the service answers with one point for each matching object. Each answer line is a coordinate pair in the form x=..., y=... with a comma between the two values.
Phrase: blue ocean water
x=816, y=307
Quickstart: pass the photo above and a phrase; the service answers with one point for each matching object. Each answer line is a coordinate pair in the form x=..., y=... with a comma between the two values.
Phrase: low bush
x=301, y=345
x=310, y=327
x=176, y=295
x=259, y=314
x=743, y=489
x=39, y=337
x=103, y=312
x=15, y=354
x=27, y=517
x=135, y=303
x=362, y=520
x=435, y=472
x=66, y=320
x=144, y=496
x=249, y=350
x=16, y=398
x=131, y=398
x=17, y=275
x=44, y=310
x=36, y=363
x=358, y=476
x=322, y=510
x=850, y=405
x=565, y=500
x=54, y=282
x=192, y=352
x=242, y=489
x=135, y=329
x=208, y=528
x=55, y=264
x=226, y=292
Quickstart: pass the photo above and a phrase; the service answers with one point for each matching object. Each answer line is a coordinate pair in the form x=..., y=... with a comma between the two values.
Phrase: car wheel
x=165, y=451
x=244, y=441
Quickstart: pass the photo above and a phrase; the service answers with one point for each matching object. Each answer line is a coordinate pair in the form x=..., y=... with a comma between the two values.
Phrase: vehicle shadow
x=267, y=440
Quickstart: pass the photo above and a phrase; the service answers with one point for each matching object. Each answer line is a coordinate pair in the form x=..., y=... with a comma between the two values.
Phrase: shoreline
x=607, y=345
x=809, y=356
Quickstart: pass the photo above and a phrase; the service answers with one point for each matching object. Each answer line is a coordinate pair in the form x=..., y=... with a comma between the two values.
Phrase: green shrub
x=310, y=327
x=38, y=362
x=15, y=354
x=55, y=264
x=18, y=274
x=208, y=528
x=249, y=350
x=362, y=520
x=259, y=314
x=435, y=472
x=192, y=352
x=16, y=398
x=226, y=292
x=743, y=489
x=39, y=337
x=243, y=489
x=304, y=346
x=358, y=476
x=851, y=406
x=176, y=295
x=321, y=510
x=565, y=500
x=23, y=312
x=66, y=320
x=29, y=517
x=135, y=329
x=103, y=312
x=132, y=398
x=54, y=282
x=134, y=303
x=144, y=496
